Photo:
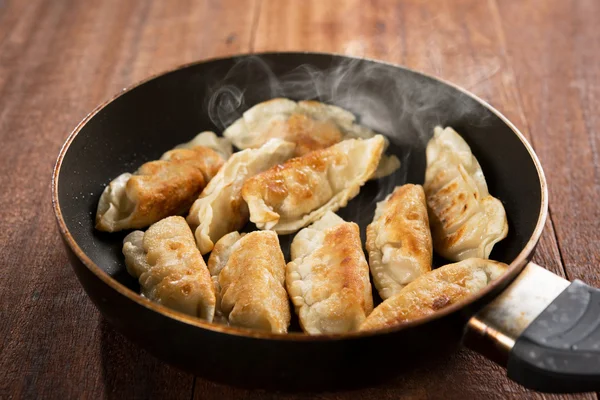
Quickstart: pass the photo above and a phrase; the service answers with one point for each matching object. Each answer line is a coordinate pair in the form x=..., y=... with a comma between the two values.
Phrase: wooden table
x=538, y=62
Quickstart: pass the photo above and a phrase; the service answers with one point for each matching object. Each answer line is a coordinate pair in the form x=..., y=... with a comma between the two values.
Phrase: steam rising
x=404, y=106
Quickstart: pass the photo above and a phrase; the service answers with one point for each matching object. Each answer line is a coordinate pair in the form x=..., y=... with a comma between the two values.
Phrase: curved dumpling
x=288, y=197
x=170, y=269
x=434, y=291
x=249, y=273
x=310, y=124
x=220, y=208
x=399, y=240
x=161, y=188
x=328, y=277
x=466, y=221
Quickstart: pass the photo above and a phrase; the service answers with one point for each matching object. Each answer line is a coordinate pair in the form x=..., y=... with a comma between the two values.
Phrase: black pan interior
x=405, y=106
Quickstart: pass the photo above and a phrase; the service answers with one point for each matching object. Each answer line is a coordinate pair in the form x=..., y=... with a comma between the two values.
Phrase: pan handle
x=546, y=330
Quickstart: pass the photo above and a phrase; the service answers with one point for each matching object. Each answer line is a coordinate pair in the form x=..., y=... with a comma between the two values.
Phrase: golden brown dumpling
x=220, y=208
x=466, y=221
x=310, y=124
x=161, y=188
x=249, y=273
x=399, y=240
x=328, y=277
x=433, y=291
x=170, y=269
x=290, y=196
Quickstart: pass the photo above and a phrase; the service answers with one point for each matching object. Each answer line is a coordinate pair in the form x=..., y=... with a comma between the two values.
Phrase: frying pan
x=544, y=328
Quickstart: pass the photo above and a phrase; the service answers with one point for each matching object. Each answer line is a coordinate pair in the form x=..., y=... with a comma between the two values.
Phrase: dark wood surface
x=538, y=62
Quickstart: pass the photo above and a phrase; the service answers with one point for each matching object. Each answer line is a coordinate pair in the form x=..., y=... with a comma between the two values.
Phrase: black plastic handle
x=559, y=351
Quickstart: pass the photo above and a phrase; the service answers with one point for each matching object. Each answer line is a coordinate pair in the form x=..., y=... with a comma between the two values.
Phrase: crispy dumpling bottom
x=328, y=277
x=161, y=188
x=248, y=271
x=466, y=221
x=399, y=240
x=433, y=291
x=170, y=269
x=290, y=196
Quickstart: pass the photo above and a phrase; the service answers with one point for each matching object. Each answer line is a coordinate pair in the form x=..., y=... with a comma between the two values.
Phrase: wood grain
x=557, y=66
x=537, y=63
x=58, y=60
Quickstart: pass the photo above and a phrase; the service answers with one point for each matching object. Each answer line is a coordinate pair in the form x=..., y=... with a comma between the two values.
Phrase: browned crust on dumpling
x=170, y=269
x=273, y=183
x=328, y=277
x=466, y=221
x=397, y=219
x=251, y=284
x=343, y=243
x=433, y=291
x=167, y=186
x=207, y=160
x=308, y=134
x=401, y=230
x=311, y=125
x=292, y=195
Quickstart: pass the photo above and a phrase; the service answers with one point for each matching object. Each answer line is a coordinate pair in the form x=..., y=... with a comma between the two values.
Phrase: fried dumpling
x=433, y=291
x=220, y=208
x=310, y=124
x=161, y=188
x=466, y=221
x=399, y=240
x=328, y=277
x=248, y=271
x=290, y=196
x=170, y=269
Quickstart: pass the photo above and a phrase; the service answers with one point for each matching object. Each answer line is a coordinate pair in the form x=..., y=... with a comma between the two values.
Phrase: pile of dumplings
x=299, y=162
